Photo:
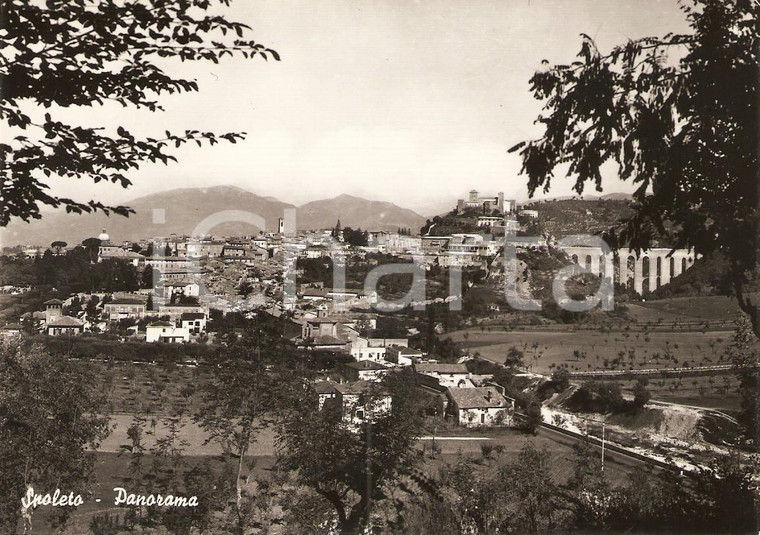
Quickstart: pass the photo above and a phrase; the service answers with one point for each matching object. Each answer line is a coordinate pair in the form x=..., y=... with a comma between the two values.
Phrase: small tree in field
x=515, y=358
x=238, y=402
x=353, y=469
x=58, y=246
x=641, y=395
x=746, y=359
x=561, y=379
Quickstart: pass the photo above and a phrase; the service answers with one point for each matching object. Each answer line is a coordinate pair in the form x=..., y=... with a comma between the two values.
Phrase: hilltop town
x=176, y=298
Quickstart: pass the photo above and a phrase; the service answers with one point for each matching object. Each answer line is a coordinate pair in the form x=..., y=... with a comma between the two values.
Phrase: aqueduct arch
x=663, y=264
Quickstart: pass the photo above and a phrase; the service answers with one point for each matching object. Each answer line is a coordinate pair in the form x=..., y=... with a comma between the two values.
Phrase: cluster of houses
x=180, y=322
x=449, y=388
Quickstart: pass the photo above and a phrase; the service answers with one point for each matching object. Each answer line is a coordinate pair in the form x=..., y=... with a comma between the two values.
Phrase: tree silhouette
x=684, y=129
x=58, y=246
x=353, y=468
x=92, y=246
x=51, y=416
x=68, y=54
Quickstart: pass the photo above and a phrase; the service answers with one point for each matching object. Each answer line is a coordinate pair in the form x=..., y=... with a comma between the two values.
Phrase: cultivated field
x=667, y=333
x=584, y=350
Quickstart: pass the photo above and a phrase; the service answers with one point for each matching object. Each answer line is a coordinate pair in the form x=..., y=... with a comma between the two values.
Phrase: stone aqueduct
x=650, y=270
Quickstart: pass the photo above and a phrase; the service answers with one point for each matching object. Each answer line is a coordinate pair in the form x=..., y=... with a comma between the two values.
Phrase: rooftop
x=327, y=340
x=404, y=350
x=324, y=387
x=65, y=321
x=365, y=365
x=126, y=301
x=476, y=398
x=360, y=387
x=439, y=367
x=192, y=316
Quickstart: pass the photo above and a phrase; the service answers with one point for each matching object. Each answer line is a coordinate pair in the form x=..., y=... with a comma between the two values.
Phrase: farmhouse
x=11, y=330
x=64, y=325
x=361, y=401
x=195, y=322
x=163, y=331
x=325, y=391
x=449, y=375
x=124, y=308
x=364, y=370
x=480, y=407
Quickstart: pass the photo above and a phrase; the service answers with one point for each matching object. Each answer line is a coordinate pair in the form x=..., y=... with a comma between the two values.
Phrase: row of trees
x=74, y=271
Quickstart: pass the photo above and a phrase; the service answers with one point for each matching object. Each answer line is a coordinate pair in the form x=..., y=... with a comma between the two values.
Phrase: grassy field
x=714, y=391
x=714, y=307
x=589, y=350
x=645, y=345
x=154, y=390
x=191, y=432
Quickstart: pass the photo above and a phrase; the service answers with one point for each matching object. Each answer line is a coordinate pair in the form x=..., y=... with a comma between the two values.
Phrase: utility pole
x=368, y=415
x=602, y=446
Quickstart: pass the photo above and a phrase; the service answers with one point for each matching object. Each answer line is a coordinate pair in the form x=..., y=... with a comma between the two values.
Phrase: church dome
x=104, y=237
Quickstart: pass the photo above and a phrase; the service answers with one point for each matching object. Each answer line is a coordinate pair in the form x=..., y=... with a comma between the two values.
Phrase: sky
x=410, y=102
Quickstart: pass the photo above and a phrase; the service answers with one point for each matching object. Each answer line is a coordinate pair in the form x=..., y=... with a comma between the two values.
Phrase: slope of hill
x=181, y=211
x=574, y=216
x=356, y=213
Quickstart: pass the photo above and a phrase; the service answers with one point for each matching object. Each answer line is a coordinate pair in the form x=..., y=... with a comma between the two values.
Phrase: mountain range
x=181, y=211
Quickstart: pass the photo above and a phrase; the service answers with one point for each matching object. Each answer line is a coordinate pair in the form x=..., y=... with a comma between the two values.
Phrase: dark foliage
x=122, y=44
x=684, y=130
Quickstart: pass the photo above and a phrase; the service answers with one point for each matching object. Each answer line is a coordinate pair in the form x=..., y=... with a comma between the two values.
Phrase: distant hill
x=184, y=209
x=356, y=212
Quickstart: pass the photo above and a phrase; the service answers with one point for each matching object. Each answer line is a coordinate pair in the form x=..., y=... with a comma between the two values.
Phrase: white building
x=194, y=322
x=187, y=288
x=362, y=401
x=448, y=375
x=123, y=308
x=163, y=331
x=64, y=325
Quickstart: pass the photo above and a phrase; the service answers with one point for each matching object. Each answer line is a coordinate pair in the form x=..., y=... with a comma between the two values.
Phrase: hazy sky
x=410, y=102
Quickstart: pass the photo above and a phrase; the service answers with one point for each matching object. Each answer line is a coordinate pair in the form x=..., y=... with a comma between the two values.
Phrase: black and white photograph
x=451, y=267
